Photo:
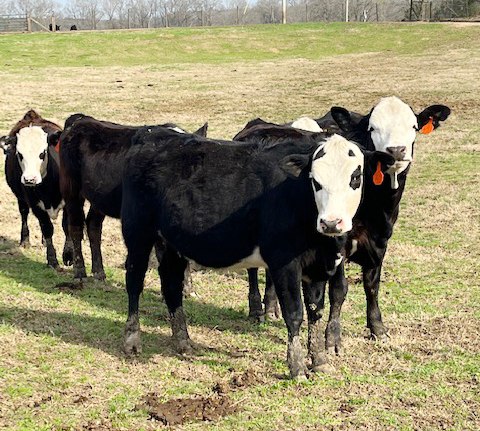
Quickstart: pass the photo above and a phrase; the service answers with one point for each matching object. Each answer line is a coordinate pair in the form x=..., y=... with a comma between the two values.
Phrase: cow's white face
x=32, y=154
x=307, y=124
x=392, y=127
x=337, y=175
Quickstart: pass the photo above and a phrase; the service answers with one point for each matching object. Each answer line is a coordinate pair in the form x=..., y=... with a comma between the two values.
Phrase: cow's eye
x=42, y=156
x=356, y=178
x=20, y=157
x=371, y=129
x=316, y=185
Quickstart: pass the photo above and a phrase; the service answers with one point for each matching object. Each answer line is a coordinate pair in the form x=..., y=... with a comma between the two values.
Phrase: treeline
x=111, y=14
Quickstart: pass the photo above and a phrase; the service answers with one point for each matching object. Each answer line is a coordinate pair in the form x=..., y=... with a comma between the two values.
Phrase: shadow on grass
x=104, y=333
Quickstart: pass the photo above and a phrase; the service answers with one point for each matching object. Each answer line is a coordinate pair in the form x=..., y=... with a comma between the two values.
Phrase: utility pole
x=284, y=11
x=346, y=10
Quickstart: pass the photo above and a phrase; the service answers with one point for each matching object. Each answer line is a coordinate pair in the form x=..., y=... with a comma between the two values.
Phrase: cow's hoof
x=99, y=276
x=295, y=358
x=325, y=368
x=184, y=347
x=25, y=243
x=80, y=274
x=53, y=263
x=67, y=256
x=133, y=344
x=257, y=316
x=300, y=377
x=378, y=331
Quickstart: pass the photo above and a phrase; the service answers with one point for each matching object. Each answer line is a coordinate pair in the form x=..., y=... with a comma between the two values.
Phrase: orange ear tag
x=57, y=147
x=428, y=128
x=378, y=175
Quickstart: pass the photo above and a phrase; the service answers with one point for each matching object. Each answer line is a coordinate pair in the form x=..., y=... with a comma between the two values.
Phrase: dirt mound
x=179, y=411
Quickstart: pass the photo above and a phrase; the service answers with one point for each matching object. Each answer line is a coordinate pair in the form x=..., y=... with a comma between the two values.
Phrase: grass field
x=61, y=363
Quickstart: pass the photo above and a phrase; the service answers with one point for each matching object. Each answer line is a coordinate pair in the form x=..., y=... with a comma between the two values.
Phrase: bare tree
x=88, y=11
x=37, y=8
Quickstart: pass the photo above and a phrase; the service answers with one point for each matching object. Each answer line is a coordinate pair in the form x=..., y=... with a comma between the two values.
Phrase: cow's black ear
x=343, y=118
x=436, y=112
x=295, y=164
x=53, y=138
x=202, y=131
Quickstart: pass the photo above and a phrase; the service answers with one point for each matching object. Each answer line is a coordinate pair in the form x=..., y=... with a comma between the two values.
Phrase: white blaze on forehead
x=31, y=145
x=176, y=129
x=333, y=165
x=308, y=124
x=393, y=124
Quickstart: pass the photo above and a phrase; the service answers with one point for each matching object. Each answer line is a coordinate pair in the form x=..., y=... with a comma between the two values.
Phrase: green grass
x=223, y=44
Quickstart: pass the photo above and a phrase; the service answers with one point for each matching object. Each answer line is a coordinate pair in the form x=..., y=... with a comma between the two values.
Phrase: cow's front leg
x=172, y=272
x=254, y=298
x=337, y=291
x=371, y=284
x=46, y=227
x=94, y=230
x=314, y=297
x=25, y=233
x=287, y=285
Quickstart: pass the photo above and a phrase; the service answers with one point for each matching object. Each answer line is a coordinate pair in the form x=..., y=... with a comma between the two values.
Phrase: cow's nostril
x=330, y=226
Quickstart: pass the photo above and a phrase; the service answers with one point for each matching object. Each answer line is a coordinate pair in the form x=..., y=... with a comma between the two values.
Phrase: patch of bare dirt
x=180, y=410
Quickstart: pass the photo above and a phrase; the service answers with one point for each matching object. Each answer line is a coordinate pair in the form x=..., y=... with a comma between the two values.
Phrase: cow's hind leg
x=172, y=272
x=337, y=291
x=314, y=297
x=371, y=284
x=76, y=219
x=139, y=248
x=25, y=233
x=46, y=227
x=94, y=230
x=287, y=285
x=272, y=307
x=254, y=298
x=67, y=254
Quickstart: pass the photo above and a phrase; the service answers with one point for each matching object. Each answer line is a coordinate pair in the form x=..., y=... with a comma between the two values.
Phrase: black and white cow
x=390, y=127
x=31, y=170
x=92, y=154
x=230, y=204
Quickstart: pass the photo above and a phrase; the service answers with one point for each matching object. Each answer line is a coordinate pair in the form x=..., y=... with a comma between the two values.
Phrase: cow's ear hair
x=53, y=138
x=294, y=164
x=373, y=157
x=6, y=144
x=202, y=131
x=436, y=112
x=343, y=118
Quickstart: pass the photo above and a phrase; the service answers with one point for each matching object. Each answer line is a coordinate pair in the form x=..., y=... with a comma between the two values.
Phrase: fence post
x=54, y=23
x=29, y=23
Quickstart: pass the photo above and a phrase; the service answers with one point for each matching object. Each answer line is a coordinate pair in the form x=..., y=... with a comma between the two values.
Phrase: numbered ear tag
x=428, y=128
x=57, y=146
x=378, y=175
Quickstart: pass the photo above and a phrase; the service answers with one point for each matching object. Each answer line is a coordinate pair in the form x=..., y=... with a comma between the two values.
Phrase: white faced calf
x=336, y=174
x=31, y=150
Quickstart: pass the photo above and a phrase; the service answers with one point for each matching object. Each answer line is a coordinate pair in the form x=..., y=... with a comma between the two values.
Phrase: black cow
x=92, y=155
x=31, y=169
x=229, y=204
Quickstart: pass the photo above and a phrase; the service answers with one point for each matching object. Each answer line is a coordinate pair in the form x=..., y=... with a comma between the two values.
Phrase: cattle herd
x=297, y=199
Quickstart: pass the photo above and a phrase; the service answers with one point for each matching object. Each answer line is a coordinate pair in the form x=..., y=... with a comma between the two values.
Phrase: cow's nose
x=398, y=152
x=330, y=226
x=30, y=181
